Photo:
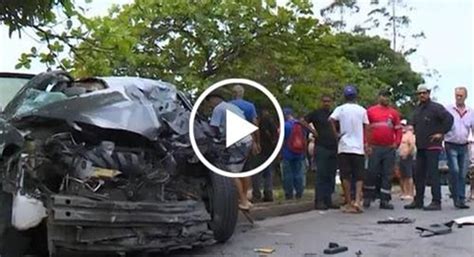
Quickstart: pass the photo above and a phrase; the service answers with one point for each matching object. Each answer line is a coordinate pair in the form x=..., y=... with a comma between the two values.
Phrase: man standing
x=384, y=138
x=238, y=151
x=325, y=152
x=456, y=144
x=251, y=116
x=405, y=164
x=431, y=121
x=292, y=163
x=268, y=141
x=353, y=121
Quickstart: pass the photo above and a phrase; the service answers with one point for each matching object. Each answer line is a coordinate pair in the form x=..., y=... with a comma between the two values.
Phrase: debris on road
x=464, y=221
x=401, y=220
x=335, y=248
x=434, y=229
x=358, y=253
x=264, y=250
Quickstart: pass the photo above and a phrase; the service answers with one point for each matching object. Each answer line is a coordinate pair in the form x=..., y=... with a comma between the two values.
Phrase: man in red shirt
x=385, y=135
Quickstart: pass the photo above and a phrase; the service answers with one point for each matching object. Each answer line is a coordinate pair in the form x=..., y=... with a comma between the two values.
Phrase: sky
x=448, y=47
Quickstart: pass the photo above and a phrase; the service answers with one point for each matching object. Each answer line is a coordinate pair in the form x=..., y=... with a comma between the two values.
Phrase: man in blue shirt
x=292, y=163
x=250, y=114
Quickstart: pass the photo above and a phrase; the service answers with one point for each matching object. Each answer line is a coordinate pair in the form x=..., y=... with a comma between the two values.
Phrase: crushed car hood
x=131, y=104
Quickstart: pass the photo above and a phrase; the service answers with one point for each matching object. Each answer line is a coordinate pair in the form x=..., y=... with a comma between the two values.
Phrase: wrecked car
x=105, y=165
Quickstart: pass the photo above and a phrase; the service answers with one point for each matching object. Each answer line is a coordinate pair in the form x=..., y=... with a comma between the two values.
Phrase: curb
x=264, y=211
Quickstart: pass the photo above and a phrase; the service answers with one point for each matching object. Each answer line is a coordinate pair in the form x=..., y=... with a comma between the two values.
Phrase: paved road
x=309, y=233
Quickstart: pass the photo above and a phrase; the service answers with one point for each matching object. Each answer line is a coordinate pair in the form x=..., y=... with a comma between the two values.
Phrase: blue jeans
x=458, y=162
x=326, y=163
x=293, y=174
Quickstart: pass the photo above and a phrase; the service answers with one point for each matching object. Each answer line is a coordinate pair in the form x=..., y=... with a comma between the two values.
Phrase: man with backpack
x=352, y=120
x=293, y=153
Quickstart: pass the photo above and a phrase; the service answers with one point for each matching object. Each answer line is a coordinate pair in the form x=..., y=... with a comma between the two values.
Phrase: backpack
x=297, y=139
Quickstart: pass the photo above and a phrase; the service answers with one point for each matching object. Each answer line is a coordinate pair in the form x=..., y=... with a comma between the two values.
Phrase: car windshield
x=9, y=86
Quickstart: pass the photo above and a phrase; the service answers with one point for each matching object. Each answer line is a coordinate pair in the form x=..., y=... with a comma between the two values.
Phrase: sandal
x=244, y=207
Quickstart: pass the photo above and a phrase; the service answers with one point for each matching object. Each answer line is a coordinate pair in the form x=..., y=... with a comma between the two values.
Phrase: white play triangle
x=237, y=128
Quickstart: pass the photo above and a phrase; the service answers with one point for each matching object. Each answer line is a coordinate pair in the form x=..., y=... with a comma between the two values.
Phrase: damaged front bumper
x=81, y=224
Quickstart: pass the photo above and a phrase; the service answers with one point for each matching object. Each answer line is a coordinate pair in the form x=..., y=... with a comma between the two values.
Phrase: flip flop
x=244, y=208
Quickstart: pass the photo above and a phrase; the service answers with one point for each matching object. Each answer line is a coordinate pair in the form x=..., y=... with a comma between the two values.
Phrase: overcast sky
x=447, y=24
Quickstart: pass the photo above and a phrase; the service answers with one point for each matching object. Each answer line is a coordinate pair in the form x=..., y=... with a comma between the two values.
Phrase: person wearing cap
x=385, y=134
x=353, y=121
x=430, y=121
x=456, y=143
x=238, y=151
x=406, y=153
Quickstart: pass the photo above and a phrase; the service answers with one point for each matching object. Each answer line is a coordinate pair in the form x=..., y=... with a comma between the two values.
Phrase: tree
x=194, y=45
x=18, y=14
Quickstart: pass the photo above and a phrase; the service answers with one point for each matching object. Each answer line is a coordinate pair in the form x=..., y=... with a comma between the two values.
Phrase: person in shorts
x=353, y=121
x=236, y=154
x=405, y=164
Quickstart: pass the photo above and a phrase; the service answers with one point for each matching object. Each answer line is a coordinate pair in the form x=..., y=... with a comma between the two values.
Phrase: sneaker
x=386, y=205
x=461, y=205
x=366, y=203
x=413, y=205
x=433, y=206
x=406, y=197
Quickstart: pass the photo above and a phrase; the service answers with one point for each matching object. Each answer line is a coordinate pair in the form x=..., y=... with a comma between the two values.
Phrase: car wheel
x=223, y=206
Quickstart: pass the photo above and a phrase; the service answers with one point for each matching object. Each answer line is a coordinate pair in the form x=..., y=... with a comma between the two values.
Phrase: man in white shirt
x=457, y=146
x=353, y=121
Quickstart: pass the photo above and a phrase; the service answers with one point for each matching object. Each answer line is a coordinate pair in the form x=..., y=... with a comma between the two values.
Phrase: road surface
x=307, y=234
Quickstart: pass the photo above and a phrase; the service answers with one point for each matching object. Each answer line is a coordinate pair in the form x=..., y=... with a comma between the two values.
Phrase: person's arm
x=367, y=148
x=446, y=120
x=216, y=120
x=308, y=127
x=398, y=129
x=333, y=118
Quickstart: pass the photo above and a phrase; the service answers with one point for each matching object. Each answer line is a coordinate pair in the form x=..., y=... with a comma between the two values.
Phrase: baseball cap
x=287, y=111
x=350, y=90
x=404, y=122
x=422, y=88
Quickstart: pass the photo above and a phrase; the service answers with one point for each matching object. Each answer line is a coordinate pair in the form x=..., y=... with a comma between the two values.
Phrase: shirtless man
x=405, y=164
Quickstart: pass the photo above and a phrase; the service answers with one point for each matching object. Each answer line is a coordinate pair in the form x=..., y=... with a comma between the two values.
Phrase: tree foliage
x=196, y=43
x=18, y=14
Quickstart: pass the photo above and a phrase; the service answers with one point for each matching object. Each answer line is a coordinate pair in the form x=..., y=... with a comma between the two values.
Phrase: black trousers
x=381, y=163
x=427, y=167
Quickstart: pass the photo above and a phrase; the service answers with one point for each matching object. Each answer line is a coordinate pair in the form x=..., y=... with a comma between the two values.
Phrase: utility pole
x=394, y=26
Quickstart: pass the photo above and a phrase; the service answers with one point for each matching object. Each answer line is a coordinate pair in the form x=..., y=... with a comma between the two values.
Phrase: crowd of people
x=366, y=147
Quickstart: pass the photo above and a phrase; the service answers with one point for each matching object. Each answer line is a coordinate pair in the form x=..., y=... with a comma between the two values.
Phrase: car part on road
x=434, y=230
x=264, y=250
x=401, y=220
x=463, y=221
x=335, y=248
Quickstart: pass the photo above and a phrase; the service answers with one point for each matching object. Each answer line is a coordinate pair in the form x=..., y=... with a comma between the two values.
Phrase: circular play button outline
x=281, y=135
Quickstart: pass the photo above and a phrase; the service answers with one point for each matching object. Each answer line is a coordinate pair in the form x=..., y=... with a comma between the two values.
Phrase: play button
x=236, y=128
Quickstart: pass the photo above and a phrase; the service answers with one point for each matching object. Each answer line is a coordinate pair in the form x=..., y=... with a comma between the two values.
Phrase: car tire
x=223, y=204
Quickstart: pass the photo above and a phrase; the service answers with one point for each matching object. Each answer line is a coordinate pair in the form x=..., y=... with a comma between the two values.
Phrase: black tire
x=223, y=204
